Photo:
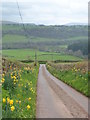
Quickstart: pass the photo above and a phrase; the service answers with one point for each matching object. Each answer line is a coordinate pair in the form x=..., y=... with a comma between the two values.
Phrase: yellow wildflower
x=2, y=80
x=16, y=101
x=3, y=74
x=8, y=100
x=11, y=102
x=14, y=77
x=4, y=100
x=28, y=107
x=12, y=108
x=29, y=98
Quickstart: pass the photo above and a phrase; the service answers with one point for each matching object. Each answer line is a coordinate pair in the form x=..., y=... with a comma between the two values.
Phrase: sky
x=47, y=12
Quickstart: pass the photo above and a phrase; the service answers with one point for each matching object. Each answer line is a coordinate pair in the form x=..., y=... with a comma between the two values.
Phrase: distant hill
x=45, y=38
x=12, y=23
x=9, y=22
x=71, y=24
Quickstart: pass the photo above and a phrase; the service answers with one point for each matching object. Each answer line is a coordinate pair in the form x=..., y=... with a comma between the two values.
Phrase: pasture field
x=29, y=54
x=73, y=74
x=19, y=89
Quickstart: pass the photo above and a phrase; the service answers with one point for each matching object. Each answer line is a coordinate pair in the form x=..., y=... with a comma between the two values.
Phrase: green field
x=27, y=54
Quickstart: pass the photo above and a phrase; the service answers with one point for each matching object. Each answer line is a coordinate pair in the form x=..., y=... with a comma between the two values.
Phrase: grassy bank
x=19, y=90
x=75, y=75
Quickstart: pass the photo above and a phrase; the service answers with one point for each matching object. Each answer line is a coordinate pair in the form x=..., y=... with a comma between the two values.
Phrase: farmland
x=27, y=54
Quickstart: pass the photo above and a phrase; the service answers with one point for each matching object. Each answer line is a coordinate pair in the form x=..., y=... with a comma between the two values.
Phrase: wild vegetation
x=19, y=82
x=73, y=74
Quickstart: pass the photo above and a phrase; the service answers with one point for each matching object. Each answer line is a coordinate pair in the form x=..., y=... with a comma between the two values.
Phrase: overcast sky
x=48, y=12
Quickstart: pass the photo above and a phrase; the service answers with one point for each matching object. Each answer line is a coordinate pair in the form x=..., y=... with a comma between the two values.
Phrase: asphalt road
x=55, y=99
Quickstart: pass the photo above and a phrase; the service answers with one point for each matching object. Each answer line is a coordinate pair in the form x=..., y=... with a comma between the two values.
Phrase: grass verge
x=19, y=83
x=74, y=75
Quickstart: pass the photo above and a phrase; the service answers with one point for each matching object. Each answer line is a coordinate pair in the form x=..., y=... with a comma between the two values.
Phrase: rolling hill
x=45, y=38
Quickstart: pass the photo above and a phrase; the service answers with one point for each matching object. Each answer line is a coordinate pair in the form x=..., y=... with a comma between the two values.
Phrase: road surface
x=55, y=99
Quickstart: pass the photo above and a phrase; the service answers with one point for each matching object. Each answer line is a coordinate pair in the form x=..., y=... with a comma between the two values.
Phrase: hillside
x=41, y=37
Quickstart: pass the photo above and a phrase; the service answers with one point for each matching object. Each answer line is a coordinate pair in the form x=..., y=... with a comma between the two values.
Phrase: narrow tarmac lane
x=53, y=101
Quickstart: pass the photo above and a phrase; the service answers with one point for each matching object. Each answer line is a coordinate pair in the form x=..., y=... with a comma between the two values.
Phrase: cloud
x=46, y=11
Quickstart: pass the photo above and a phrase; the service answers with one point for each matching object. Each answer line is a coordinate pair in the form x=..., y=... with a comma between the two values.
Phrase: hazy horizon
x=14, y=22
